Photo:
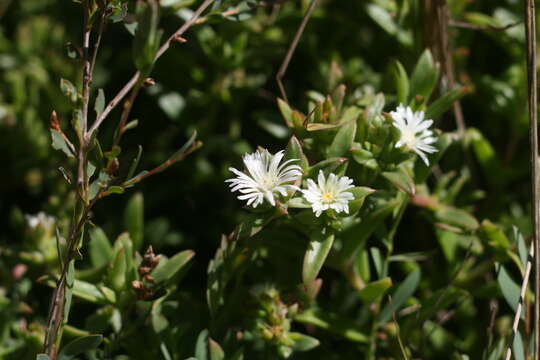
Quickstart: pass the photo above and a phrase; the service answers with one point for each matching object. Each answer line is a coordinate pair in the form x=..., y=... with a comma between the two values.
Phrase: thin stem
x=530, y=28
x=131, y=83
x=521, y=301
x=292, y=48
x=466, y=25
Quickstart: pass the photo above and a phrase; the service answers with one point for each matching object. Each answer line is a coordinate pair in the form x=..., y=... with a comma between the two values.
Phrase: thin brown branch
x=292, y=47
x=521, y=301
x=469, y=26
x=131, y=83
x=530, y=29
x=443, y=16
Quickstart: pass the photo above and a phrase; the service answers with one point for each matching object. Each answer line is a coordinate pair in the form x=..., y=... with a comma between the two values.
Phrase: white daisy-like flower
x=415, y=133
x=329, y=193
x=266, y=177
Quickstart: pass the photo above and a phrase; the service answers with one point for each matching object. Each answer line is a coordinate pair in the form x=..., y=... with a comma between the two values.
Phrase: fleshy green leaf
x=343, y=140
x=445, y=102
x=402, y=83
x=424, y=77
x=69, y=90
x=303, y=342
x=99, y=105
x=318, y=249
x=167, y=269
x=100, y=248
x=374, y=290
x=404, y=291
x=216, y=352
x=134, y=219
x=80, y=346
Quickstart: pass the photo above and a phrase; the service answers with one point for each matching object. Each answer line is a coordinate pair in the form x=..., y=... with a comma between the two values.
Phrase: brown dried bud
x=144, y=270
x=18, y=271
x=150, y=259
x=55, y=125
x=180, y=39
x=149, y=82
x=149, y=278
x=137, y=285
x=114, y=164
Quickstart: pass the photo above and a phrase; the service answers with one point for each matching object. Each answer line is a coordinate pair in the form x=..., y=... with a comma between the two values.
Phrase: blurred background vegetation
x=222, y=83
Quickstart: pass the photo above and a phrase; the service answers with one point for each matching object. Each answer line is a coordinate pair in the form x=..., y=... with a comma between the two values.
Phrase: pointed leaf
x=216, y=352
x=99, y=105
x=318, y=249
x=374, y=290
x=303, y=342
x=424, y=77
x=404, y=291
x=166, y=270
x=445, y=102
x=134, y=219
x=402, y=83
x=80, y=346
x=343, y=140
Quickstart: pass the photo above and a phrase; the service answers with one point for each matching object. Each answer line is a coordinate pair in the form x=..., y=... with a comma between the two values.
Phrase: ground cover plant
x=322, y=180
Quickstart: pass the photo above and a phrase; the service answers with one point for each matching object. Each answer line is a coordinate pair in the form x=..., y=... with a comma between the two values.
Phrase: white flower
x=39, y=219
x=329, y=193
x=415, y=133
x=265, y=177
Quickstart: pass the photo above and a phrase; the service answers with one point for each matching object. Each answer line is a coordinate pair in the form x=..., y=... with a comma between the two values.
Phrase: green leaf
x=363, y=157
x=386, y=21
x=456, y=217
x=509, y=288
x=201, y=348
x=405, y=290
x=117, y=270
x=303, y=342
x=100, y=248
x=343, y=140
x=294, y=151
x=80, y=346
x=147, y=36
x=402, y=180
x=135, y=163
x=216, y=352
x=445, y=102
x=318, y=249
x=60, y=143
x=134, y=219
x=518, y=347
x=333, y=323
x=328, y=166
x=184, y=147
x=69, y=90
x=374, y=290
x=167, y=269
x=360, y=193
x=99, y=105
x=286, y=112
x=424, y=77
x=402, y=83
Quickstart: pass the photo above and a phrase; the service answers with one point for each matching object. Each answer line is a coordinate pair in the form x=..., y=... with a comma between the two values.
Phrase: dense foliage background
x=222, y=83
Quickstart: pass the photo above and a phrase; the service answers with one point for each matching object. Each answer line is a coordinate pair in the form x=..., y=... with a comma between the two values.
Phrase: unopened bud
x=149, y=82
x=180, y=39
x=55, y=125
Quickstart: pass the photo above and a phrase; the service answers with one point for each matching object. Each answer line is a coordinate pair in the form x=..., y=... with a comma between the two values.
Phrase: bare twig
x=466, y=25
x=517, y=316
x=530, y=29
x=292, y=48
x=447, y=61
x=131, y=83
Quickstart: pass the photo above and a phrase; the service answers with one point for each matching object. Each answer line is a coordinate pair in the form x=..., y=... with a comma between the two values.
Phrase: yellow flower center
x=328, y=197
x=408, y=138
